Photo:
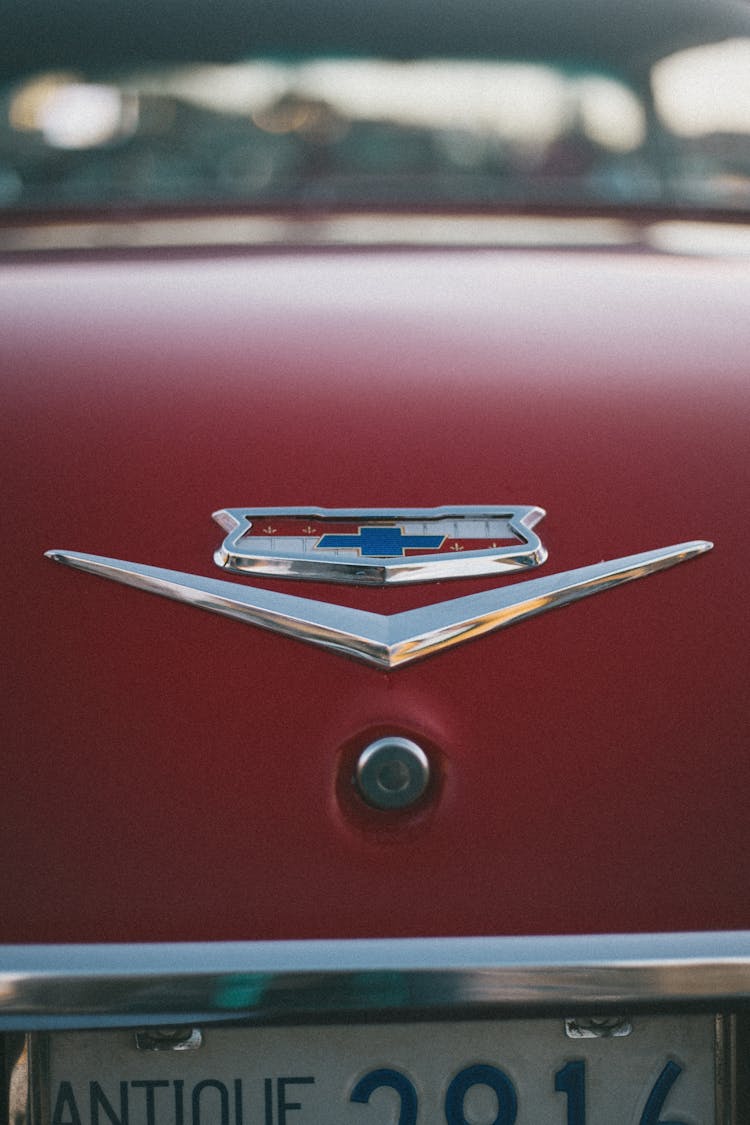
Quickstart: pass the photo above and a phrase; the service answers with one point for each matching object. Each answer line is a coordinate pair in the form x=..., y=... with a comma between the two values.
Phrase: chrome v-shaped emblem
x=387, y=641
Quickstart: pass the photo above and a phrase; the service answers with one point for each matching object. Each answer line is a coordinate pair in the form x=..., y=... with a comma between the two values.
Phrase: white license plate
x=481, y=1072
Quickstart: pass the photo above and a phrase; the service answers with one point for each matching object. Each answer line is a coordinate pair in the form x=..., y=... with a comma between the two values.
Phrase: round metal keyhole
x=392, y=773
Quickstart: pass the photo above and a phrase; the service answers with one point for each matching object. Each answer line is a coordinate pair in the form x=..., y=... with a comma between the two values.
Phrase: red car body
x=175, y=777
x=183, y=777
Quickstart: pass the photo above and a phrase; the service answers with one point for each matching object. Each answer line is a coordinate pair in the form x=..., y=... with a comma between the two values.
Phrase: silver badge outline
x=337, y=566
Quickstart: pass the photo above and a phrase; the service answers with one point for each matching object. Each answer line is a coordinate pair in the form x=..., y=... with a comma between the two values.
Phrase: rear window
x=336, y=128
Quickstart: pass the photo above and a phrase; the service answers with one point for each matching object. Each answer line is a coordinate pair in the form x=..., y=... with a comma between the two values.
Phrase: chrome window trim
x=44, y=987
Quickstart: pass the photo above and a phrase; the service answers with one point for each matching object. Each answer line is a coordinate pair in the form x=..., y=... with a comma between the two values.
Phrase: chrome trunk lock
x=392, y=773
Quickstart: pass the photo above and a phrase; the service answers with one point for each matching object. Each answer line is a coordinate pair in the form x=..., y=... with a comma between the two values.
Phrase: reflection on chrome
x=134, y=985
x=385, y=641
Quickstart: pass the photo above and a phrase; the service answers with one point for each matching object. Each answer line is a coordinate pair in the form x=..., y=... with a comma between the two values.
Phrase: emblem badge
x=376, y=547
x=370, y=547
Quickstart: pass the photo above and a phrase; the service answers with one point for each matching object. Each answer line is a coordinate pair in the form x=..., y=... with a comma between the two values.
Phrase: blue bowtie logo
x=382, y=541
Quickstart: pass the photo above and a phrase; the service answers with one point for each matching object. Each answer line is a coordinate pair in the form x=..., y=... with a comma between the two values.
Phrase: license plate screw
x=392, y=773
x=169, y=1039
x=597, y=1027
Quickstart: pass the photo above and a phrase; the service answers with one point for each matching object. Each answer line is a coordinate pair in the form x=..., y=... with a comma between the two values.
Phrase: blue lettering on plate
x=283, y=1104
x=571, y=1080
x=211, y=1084
x=652, y=1112
x=150, y=1085
x=398, y=1082
x=99, y=1098
x=481, y=1075
x=66, y=1110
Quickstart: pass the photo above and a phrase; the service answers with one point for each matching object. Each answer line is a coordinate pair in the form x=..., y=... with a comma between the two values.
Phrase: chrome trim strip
x=378, y=229
x=385, y=641
x=44, y=986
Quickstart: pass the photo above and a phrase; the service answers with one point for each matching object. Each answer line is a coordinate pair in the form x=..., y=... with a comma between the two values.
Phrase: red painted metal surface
x=168, y=774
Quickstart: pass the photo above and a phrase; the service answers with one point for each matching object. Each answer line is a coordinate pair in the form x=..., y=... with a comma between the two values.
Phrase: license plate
x=648, y=1071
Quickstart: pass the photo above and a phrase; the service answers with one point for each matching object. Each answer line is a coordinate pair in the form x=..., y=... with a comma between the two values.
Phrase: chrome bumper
x=45, y=987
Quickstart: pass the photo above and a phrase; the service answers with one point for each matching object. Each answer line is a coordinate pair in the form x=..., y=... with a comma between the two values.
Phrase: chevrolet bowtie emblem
x=379, y=547
x=371, y=547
